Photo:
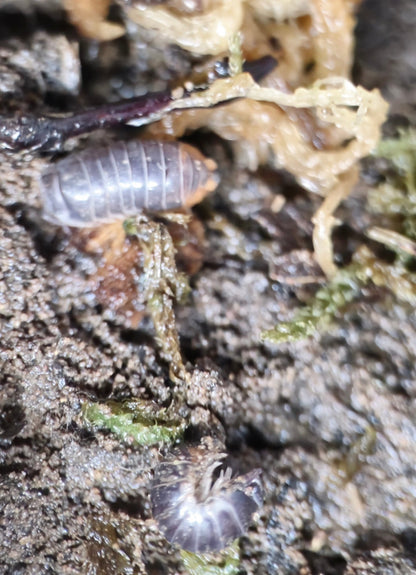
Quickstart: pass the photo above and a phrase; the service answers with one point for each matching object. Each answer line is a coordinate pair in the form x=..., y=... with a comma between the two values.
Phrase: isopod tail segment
x=118, y=181
x=197, y=512
x=209, y=180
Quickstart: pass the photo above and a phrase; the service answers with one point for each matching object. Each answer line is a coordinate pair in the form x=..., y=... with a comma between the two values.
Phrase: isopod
x=121, y=179
x=198, y=512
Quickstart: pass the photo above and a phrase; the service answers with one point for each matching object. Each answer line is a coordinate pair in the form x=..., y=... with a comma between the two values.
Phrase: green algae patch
x=226, y=562
x=136, y=422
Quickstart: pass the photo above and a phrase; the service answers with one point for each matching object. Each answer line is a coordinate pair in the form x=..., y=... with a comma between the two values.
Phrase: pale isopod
x=123, y=178
x=197, y=512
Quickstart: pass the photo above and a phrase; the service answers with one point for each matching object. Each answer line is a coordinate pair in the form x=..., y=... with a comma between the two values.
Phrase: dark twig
x=48, y=133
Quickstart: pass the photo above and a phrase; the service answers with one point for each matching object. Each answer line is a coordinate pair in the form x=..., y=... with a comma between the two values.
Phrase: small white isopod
x=197, y=512
x=116, y=181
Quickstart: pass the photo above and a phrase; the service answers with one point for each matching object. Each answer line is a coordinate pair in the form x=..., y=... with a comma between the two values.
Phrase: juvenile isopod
x=119, y=180
x=198, y=512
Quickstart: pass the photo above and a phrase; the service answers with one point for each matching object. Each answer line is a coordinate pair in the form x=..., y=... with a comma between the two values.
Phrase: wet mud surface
x=330, y=420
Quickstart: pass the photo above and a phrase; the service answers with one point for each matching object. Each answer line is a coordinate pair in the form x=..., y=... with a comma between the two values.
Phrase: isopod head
x=198, y=512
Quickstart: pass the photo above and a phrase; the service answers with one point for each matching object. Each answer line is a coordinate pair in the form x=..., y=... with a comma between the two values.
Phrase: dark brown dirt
x=73, y=501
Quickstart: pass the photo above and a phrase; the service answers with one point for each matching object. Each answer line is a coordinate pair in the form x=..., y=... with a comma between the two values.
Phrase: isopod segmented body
x=123, y=178
x=197, y=512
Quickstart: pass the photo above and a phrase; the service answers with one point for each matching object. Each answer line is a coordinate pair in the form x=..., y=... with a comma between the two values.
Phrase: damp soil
x=73, y=500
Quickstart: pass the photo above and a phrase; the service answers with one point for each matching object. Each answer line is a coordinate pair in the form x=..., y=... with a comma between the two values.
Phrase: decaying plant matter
x=307, y=117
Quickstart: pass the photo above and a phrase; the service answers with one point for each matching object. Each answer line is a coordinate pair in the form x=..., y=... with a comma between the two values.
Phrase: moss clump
x=340, y=291
x=134, y=421
x=343, y=289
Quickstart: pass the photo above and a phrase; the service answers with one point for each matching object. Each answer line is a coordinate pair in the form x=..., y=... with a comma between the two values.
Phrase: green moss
x=227, y=562
x=342, y=290
x=134, y=421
